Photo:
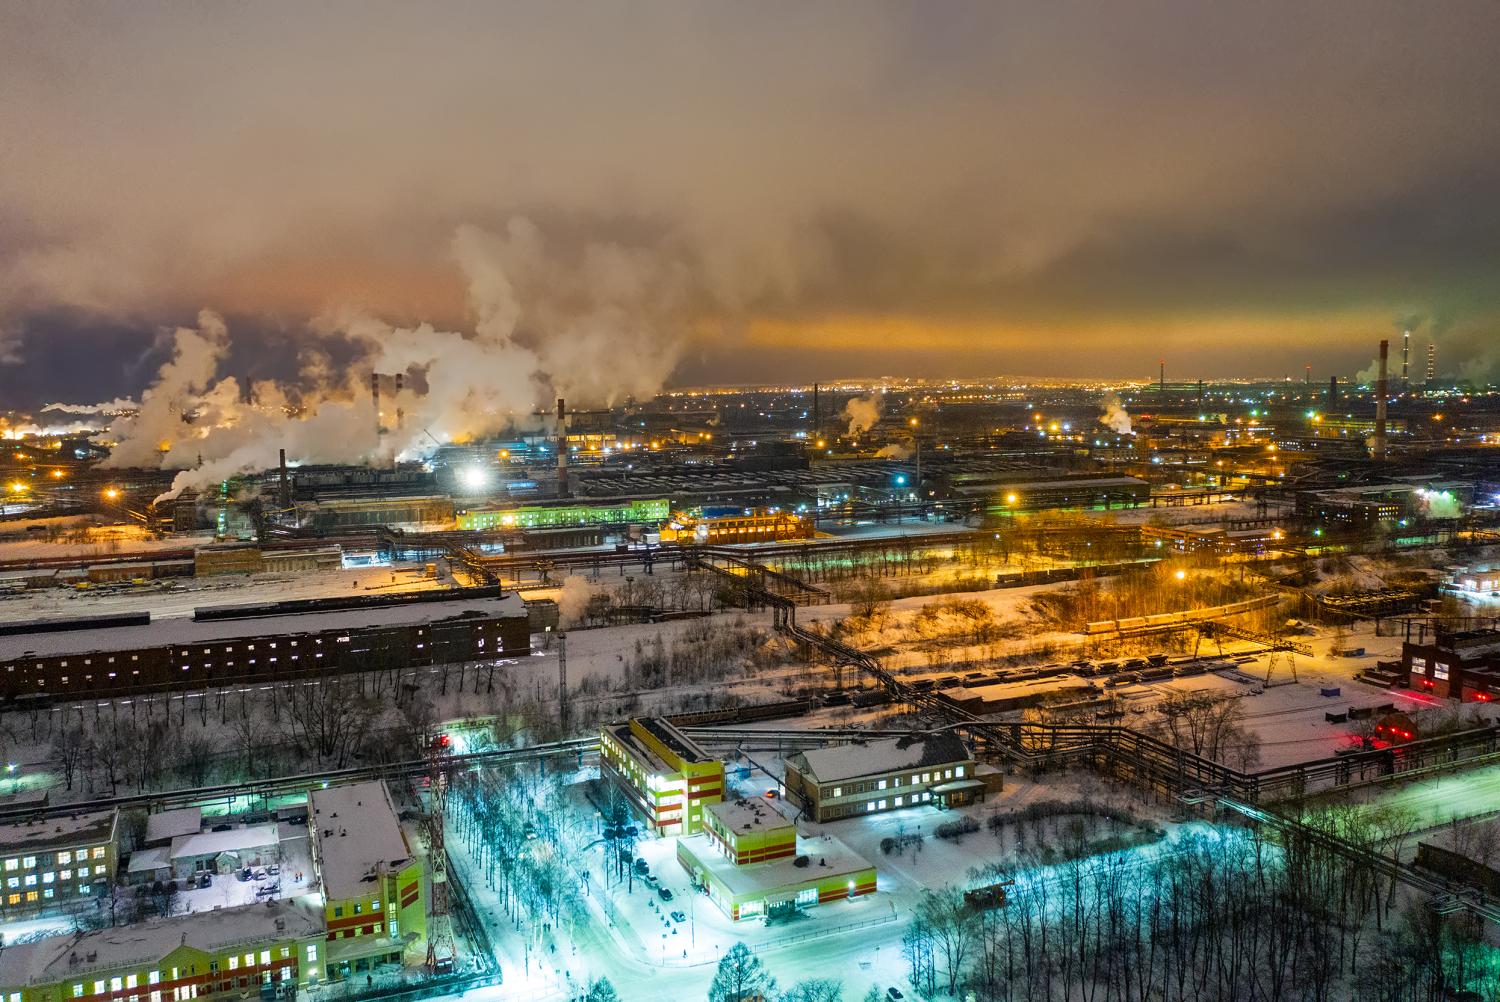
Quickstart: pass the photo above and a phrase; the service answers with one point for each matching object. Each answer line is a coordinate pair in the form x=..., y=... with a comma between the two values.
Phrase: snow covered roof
x=876, y=758
x=59, y=958
x=167, y=825
x=827, y=858
x=183, y=631
x=748, y=814
x=86, y=827
x=355, y=830
x=158, y=857
x=230, y=840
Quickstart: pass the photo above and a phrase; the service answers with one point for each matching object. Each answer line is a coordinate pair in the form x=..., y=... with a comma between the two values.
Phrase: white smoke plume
x=1115, y=415
x=1440, y=504
x=1370, y=374
x=116, y=406
x=598, y=326
x=573, y=600
x=862, y=413
x=894, y=451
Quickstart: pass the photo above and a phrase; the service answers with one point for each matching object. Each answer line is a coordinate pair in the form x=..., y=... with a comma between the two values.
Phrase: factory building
x=269, y=950
x=751, y=527
x=337, y=514
x=666, y=775
x=1385, y=503
x=751, y=862
x=845, y=781
x=546, y=515
x=54, y=863
x=285, y=640
x=1007, y=494
x=1463, y=665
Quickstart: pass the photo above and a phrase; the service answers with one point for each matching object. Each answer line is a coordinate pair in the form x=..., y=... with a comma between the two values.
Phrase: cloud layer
x=1163, y=177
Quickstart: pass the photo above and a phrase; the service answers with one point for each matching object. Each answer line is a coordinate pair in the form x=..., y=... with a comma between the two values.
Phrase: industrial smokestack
x=1405, y=357
x=400, y=410
x=285, y=492
x=375, y=399
x=562, y=450
x=1307, y=377
x=1333, y=392
x=1200, y=392
x=1162, y=379
x=1382, y=390
x=815, y=414
x=1431, y=363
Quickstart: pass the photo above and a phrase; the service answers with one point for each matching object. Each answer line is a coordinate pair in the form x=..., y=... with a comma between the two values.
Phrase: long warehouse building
x=280, y=641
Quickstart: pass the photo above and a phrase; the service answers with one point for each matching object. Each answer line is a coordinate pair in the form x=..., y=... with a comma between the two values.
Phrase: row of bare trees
x=1213, y=916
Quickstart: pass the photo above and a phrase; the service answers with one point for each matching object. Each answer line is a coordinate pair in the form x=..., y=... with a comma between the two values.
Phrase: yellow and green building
x=665, y=774
x=552, y=515
x=751, y=862
x=374, y=894
x=229, y=953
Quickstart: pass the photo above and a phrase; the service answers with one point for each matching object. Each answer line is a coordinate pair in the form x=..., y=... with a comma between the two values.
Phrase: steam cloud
x=608, y=324
x=1115, y=416
x=862, y=413
x=103, y=407
x=573, y=599
x=893, y=451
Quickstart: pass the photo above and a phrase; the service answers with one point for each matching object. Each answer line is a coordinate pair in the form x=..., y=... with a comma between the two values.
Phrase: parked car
x=641, y=868
x=205, y=879
x=259, y=874
x=894, y=993
x=274, y=869
x=679, y=917
x=665, y=893
x=245, y=873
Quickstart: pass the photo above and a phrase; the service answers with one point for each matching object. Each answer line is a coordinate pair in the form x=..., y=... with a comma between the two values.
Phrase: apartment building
x=49, y=864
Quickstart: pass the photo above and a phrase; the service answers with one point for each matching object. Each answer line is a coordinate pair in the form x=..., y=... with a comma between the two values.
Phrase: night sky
x=828, y=189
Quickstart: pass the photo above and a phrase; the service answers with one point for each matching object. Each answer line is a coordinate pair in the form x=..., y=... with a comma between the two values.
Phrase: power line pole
x=562, y=684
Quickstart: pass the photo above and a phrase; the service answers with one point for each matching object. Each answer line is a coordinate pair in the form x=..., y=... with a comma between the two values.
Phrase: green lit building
x=549, y=515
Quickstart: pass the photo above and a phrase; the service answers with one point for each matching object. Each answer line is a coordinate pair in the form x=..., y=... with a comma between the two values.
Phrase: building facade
x=643, y=511
x=374, y=895
x=1463, y=665
x=51, y=865
x=229, y=953
x=665, y=774
x=843, y=781
x=751, y=862
x=286, y=640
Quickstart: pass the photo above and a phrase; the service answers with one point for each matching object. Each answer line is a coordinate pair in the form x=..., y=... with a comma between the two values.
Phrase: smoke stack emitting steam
x=562, y=449
x=543, y=318
x=862, y=413
x=1381, y=392
x=1115, y=416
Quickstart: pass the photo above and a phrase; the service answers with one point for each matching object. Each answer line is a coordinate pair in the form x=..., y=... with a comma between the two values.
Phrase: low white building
x=225, y=851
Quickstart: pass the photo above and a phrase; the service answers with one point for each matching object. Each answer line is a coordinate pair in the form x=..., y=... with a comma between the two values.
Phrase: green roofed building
x=550, y=515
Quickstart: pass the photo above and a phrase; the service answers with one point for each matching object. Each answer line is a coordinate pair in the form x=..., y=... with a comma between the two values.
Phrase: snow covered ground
x=633, y=937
